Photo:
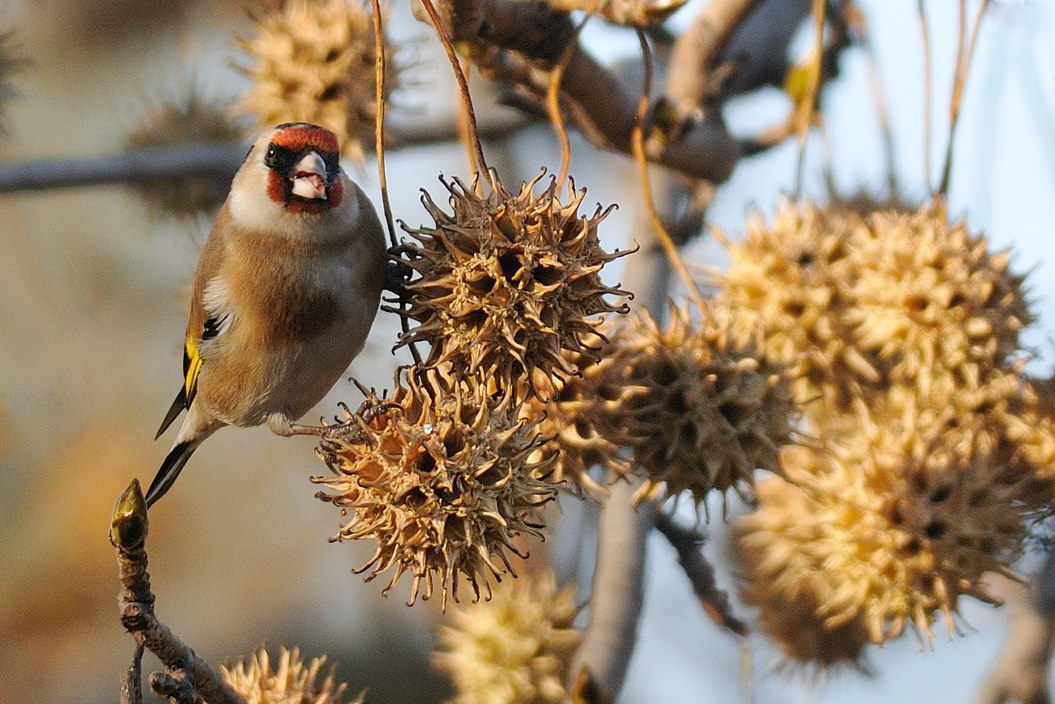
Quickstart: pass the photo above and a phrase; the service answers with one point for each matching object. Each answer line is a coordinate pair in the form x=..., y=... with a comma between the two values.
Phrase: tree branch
x=142, y=165
x=194, y=159
x=715, y=601
x=522, y=41
x=1020, y=671
x=696, y=50
x=618, y=591
x=128, y=532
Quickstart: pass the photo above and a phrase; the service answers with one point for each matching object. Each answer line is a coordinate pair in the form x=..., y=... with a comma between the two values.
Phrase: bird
x=285, y=292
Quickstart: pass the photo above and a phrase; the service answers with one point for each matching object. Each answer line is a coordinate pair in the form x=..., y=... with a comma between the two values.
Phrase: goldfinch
x=285, y=292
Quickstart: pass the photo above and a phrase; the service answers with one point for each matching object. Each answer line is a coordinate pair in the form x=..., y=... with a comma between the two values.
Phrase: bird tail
x=170, y=469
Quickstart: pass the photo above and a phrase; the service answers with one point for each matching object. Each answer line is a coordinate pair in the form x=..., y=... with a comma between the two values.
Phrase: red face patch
x=300, y=135
x=290, y=141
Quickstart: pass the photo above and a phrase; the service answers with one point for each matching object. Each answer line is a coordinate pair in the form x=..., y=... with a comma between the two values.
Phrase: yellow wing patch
x=191, y=368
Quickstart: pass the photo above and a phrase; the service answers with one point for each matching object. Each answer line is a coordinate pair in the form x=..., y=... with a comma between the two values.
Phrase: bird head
x=291, y=170
x=303, y=170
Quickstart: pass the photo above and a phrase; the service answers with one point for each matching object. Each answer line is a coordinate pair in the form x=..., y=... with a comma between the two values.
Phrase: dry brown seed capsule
x=860, y=302
x=292, y=682
x=505, y=284
x=892, y=522
x=190, y=118
x=928, y=295
x=697, y=412
x=569, y=416
x=443, y=478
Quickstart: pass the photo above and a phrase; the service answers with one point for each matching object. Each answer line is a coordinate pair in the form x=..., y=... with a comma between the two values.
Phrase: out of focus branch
x=191, y=159
x=715, y=601
x=732, y=47
x=521, y=42
x=186, y=672
x=696, y=50
x=1020, y=672
x=218, y=159
x=617, y=593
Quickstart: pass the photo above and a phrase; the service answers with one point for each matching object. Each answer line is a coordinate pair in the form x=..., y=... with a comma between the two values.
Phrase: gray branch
x=194, y=159
x=143, y=165
x=128, y=534
x=618, y=591
x=1020, y=671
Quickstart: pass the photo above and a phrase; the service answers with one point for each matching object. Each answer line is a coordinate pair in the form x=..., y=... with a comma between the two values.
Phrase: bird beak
x=309, y=177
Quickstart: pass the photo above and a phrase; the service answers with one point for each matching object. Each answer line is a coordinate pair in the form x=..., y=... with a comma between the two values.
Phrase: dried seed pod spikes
x=443, y=478
x=513, y=649
x=698, y=412
x=506, y=282
x=314, y=61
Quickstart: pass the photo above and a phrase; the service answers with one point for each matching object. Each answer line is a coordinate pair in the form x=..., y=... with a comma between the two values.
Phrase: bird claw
x=351, y=428
x=398, y=272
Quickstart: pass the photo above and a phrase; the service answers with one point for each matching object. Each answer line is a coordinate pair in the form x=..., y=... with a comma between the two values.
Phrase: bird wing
x=209, y=316
x=191, y=368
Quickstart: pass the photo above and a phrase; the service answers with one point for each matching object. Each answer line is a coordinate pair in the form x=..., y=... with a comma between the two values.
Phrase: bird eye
x=271, y=157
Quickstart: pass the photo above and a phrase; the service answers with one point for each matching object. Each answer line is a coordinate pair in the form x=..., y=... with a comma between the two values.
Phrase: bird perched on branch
x=285, y=292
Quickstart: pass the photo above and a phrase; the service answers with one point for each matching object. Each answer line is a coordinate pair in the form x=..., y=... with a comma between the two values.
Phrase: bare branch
x=696, y=50
x=1020, y=672
x=523, y=41
x=132, y=679
x=617, y=593
x=217, y=159
x=191, y=159
x=128, y=533
x=715, y=601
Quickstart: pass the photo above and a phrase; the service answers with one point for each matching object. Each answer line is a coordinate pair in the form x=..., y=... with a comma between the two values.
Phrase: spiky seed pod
x=567, y=416
x=885, y=526
x=314, y=61
x=443, y=477
x=183, y=120
x=777, y=575
x=1002, y=413
x=863, y=302
x=514, y=648
x=787, y=290
x=292, y=682
x=928, y=295
x=505, y=283
x=698, y=412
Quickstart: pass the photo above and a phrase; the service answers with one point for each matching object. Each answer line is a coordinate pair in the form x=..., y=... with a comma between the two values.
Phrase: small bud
x=128, y=528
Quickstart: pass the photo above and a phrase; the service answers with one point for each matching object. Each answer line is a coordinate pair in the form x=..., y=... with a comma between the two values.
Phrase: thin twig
x=379, y=145
x=959, y=84
x=132, y=679
x=128, y=533
x=463, y=86
x=379, y=118
x=637, y=143
x=808, y=105
x=879, y=99
x=715, y=601
x=928, y=97
x=553, y=97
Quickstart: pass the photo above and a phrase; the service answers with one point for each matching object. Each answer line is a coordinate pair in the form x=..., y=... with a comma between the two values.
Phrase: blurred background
x=93, y=285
